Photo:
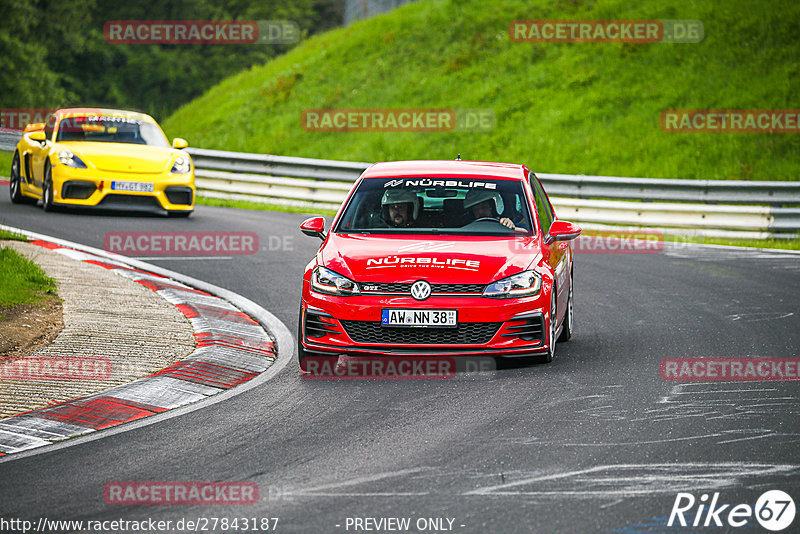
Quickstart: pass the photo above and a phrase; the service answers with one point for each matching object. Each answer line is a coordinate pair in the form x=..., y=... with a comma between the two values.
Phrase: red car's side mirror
x=562, y=231
x=315, y=227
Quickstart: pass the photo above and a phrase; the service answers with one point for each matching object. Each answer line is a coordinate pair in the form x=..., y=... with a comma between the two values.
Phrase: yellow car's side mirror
x=32, y=127
x=38, y=136
x=179, y=142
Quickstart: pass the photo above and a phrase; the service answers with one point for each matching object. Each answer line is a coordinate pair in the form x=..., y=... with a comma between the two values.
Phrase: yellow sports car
x=102, y=158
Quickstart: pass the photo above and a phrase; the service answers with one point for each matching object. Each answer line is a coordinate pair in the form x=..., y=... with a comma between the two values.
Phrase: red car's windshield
x=437, y=206
x=105, y=129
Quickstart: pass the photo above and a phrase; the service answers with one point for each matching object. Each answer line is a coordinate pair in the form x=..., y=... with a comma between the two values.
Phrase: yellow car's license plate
x=140, y=187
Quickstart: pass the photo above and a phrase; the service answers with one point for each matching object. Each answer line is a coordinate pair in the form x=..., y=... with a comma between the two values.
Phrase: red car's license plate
x=440, y=318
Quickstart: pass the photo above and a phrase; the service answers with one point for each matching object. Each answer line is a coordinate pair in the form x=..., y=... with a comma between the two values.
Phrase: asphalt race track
x=595, y=442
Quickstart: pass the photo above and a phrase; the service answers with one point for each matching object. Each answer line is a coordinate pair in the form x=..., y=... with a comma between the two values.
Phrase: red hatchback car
x=439, y=258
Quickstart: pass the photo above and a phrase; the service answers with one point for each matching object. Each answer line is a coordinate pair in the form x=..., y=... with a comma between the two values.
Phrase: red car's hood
x=437, y=259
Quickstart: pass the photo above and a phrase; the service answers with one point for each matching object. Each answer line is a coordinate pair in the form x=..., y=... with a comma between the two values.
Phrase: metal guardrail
x=663, y=190
x=748, y=209
x=702, y=207
x=319, y=169
x=578, y=186
x=9, y=139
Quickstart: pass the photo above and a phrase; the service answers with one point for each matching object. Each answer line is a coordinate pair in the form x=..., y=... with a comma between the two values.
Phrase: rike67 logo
x=774, y=510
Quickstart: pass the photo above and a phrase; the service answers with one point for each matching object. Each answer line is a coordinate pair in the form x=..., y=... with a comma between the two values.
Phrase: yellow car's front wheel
x=15, y=182
x=47, y=189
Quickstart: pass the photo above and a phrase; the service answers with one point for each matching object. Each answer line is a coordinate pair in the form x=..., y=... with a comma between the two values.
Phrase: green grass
x=253, y=205
x=22, y=281
x=574, y=108
x=5, y=164
x=13, y=236
x=785, y=244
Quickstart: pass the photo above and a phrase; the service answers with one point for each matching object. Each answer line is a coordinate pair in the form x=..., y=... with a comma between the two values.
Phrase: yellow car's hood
x=123, y=157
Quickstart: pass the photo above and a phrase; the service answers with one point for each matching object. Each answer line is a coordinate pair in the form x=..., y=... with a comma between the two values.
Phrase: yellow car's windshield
x=106, y=129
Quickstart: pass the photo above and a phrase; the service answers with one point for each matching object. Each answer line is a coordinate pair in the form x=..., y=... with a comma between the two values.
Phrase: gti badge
x=420, y=290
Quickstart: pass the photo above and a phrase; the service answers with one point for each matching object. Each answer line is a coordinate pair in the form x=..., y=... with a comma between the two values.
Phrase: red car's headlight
x=523, y=284
x=326, y=281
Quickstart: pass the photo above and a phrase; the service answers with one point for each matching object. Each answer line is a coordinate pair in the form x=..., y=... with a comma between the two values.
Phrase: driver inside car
x=399, y=208
x=482, y=204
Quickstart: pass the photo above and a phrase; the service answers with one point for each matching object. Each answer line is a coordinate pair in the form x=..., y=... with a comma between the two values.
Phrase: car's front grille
x=471, y=289
x=132, y=202
x=179, y=194
x=532, y=329
x=463, y=334
x=77, y=189
x=319, y=325
x=457, y=288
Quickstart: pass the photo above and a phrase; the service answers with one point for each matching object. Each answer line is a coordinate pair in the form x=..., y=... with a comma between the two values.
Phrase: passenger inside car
x=482, y=204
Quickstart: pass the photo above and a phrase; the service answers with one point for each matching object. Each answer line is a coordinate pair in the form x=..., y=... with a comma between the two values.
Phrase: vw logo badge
x=420, y=290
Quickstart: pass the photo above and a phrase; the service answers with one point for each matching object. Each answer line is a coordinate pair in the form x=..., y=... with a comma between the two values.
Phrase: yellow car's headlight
x=182, y=165
x=65, y=157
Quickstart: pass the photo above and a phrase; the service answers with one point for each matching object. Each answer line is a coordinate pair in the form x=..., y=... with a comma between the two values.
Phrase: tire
x=15, y=182
x=566, y=331
x=551, y=332
x=47, y=189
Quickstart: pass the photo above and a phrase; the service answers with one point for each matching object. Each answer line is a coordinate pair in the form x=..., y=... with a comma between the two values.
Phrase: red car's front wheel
x=551, y=331
x=566, y=331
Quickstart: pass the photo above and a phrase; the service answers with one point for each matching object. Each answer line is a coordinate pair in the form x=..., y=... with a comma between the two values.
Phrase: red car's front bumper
x=487, y=327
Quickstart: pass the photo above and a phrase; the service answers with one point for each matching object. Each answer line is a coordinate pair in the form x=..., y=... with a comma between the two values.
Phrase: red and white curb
x=232, y=349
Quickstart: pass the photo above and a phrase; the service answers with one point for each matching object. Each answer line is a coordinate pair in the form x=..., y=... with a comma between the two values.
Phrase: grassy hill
x=577, y=108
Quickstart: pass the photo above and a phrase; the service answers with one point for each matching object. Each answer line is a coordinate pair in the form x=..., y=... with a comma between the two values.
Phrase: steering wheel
x=490, y=219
